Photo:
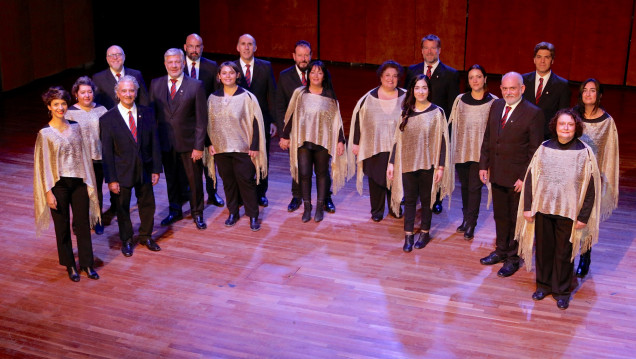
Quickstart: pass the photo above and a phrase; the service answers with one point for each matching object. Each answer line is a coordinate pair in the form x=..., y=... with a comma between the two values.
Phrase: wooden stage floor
x=341, y=288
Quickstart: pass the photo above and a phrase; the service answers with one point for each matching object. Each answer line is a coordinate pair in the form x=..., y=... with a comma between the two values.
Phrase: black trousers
x=146, y=206
x=554, y=268
x=311, y=159
x=72, y=192
x=505, y=203
x=194, y=173
x=375, y=169
x=416, y=185
x=239, y=177
x=210, y=188
x=468, y=174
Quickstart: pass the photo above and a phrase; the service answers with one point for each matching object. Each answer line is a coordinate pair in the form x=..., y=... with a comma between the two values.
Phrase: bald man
x=106, y=80
x=513, y=133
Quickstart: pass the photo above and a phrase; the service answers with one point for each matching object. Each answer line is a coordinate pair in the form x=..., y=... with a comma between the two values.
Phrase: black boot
x=408, y=242
x=584, y=264
x=307, y=212
x=320, y=211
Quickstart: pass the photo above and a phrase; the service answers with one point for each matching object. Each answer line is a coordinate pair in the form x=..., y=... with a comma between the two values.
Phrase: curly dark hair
x=389, y=64
x=580, y=126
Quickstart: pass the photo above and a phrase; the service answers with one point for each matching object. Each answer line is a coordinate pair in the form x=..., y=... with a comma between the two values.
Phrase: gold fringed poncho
x=418, y=147
x=231, y=129
x=316, y=119
x=378, y=121
x=602, y=137
x=560, y=179
x=467, y=134
x=89, y=124
x=58, y=155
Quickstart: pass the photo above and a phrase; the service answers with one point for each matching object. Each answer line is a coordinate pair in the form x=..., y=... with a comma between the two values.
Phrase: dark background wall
x=593, y=39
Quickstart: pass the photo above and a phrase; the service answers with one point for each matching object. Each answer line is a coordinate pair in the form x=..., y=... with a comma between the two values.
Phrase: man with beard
x=289, y=80
x=204, y=70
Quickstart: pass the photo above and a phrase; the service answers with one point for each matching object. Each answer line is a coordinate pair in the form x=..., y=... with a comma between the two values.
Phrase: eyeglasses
x=115, y=56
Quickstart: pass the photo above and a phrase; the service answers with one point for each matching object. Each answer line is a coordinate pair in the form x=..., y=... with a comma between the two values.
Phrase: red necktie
x=131, y=122
x=248, y=75
x=193, y=71
x=505, y=116
x=118, y=77
x=539, y=89
x=428, y=71
x=304, y=79
x=173, y=89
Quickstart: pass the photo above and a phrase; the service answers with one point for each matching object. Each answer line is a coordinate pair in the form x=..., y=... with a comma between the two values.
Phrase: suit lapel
x=123, y=126
x=547, y=88
x=178, y=96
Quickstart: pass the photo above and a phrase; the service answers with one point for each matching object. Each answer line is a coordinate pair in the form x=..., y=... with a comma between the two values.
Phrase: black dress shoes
x=72, y=273
x=539, y=294
x=254, y=225
x=584, y=264
x=307, y=212
x=422, y=240
x=231, y=220
x=215, y=200
x=492, y=258
x=469, y=233
x=99, y=229
x=563, y=303
x=376, y=217
x=437, y=207
x=171, y=218
x=294, y=204
x=127, y=248
x=151, y=244
x=320, y=211
x=329, y=206
x=262, y=201
x=408, y=242
x=90, y=272
x=509, y=268
x=462, y=227
x=199, y=222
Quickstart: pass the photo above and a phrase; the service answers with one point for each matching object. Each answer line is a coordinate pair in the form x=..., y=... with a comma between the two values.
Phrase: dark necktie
x=539, y=90
x=248, y=75
x=428, y=71
x=193, y=71
x=505, y=116
x=304, y=79
x=173, y=89
x=118, y=77
x=131, y=123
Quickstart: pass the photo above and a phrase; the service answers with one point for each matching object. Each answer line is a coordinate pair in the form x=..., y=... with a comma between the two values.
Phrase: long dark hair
x=409, y=98
x=327, y=86
x=599, y=93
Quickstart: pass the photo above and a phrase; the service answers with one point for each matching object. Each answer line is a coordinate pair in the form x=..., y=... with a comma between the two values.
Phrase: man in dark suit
x=543, y=87
x=257, y=77
x=444, y=82
x=181, y=111
x=205, y=70
x=289, y=80
x=513, y=133
x=131, y=158
x=106, y=80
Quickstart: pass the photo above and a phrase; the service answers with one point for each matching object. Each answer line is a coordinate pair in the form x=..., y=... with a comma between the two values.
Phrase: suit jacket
x=556, y=95
x=105, y=82
x=207, y=75
x=182, y=122
x=444, y=83
x=288, y=81
x=263, y=86
x=507, y=152
x=124, y=160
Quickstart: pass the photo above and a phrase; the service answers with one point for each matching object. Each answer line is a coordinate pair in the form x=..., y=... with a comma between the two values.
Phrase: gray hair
x=515, y=75
x=174, y=52
x=127, y=78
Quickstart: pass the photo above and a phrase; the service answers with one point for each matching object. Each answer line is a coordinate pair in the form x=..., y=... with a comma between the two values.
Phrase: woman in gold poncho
x=468, y=120
x=62, y=178
x=235, y=130
x=313, y=133
x=416, y=164
x=373, y=126
x=600, y=134
x=87, y=113
x=560, y=205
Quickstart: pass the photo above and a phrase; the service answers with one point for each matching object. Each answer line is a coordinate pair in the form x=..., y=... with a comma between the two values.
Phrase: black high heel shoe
x=72, y=273
x=90, y=272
